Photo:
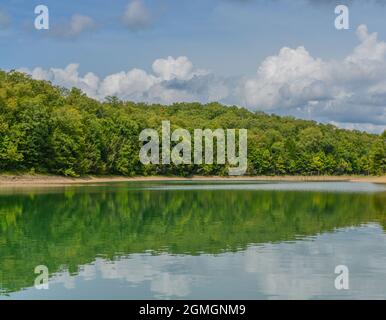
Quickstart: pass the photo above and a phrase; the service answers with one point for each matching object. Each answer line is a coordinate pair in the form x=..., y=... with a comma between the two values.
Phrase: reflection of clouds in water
x=136, y=270
x=88, y=272
x=167, y=284
x=301, y=269
x=305, y=269
x=65, y=278
x=139, y=268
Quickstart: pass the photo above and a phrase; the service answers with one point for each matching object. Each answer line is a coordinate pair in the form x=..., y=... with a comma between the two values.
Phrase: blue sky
x=214, y=34
x=221, y=43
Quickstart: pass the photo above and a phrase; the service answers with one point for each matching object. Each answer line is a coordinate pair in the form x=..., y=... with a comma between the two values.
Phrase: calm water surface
x=194, y=240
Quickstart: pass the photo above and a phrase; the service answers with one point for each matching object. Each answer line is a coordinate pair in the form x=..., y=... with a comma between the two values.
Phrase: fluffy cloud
x=136, y=16
x=291, y=78
x=350, y=92
x=68, y=77
x=180, y=68
x=77, y=25
x=169, y=82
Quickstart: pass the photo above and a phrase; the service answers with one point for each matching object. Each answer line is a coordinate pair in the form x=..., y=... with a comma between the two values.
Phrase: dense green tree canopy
x=48, y=129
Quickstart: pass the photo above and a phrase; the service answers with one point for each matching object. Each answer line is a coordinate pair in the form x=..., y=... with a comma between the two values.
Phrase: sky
x=279, y=56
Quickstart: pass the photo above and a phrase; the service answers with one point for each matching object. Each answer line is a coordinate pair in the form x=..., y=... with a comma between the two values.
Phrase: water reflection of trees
x=72, y=228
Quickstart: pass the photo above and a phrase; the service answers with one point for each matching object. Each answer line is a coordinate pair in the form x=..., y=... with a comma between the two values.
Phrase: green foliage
x=48, y=129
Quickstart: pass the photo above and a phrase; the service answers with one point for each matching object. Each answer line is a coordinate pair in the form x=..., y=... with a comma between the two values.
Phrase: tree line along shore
x=47, y=129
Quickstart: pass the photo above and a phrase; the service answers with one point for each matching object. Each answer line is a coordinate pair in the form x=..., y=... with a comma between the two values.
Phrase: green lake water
x=194, y=240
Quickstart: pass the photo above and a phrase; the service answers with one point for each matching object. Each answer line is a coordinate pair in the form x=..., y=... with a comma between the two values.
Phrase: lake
x=194, y=240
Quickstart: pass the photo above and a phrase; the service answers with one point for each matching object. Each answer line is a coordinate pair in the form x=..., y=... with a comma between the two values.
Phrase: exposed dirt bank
x=51, y=180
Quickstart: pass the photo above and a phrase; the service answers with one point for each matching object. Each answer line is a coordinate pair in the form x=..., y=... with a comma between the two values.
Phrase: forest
x=52, y=130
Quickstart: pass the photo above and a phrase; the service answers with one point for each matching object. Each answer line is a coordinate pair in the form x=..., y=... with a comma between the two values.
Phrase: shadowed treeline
x=71, y=228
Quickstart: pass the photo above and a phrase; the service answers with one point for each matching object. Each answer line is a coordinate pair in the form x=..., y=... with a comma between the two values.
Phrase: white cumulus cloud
x=352, y=90
x=137, y=85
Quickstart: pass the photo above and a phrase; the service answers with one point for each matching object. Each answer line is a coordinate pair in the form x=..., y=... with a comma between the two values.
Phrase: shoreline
x=53, y=180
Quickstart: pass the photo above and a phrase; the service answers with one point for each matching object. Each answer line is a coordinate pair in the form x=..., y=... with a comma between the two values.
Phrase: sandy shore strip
x=52, y=180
